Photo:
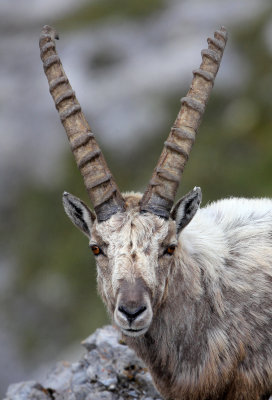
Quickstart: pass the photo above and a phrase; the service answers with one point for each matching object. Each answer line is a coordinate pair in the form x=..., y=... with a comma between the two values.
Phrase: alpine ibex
x=189, y=288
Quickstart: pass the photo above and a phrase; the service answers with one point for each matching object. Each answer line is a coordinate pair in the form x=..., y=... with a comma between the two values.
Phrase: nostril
x=132, y=313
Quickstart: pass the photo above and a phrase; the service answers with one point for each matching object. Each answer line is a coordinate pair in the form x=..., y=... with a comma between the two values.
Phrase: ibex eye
x=96, y=250
x=170, y=250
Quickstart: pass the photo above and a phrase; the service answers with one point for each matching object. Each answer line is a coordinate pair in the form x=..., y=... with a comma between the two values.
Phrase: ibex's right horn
x=101, y=187
x=160, y=193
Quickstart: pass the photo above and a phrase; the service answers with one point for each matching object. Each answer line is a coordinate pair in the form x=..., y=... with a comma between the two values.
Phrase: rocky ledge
x=109, y=370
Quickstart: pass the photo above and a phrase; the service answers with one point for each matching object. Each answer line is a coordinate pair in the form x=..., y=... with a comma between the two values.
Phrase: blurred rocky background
x=129, y=63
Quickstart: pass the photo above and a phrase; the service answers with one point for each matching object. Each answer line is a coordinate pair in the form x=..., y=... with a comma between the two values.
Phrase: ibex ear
x=81, y=216
x=186, y=208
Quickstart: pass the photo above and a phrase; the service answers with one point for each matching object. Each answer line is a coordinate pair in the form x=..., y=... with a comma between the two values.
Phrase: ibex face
x=135, y=252
x=133, y=237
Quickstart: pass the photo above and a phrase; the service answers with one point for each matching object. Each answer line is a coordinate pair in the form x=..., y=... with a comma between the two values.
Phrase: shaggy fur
x=206, y=329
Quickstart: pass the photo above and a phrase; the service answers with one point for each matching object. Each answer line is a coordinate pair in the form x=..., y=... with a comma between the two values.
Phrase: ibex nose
x=131, y=313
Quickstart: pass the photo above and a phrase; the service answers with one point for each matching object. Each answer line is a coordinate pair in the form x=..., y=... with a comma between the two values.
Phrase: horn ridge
x=101, y=187
x=161, y=190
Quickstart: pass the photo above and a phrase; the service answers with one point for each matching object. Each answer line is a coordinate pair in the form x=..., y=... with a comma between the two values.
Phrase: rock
x=108, y=371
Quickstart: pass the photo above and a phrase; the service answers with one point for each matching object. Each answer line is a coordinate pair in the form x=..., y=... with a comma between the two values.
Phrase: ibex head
x=133, y=237
x=135, y=252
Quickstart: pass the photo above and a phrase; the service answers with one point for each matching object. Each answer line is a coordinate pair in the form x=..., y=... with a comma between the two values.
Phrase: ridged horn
x=101, y=187
x=160, y=193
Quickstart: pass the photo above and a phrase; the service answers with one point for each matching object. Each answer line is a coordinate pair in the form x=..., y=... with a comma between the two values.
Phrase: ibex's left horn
x=160, y=194
x=100, y=185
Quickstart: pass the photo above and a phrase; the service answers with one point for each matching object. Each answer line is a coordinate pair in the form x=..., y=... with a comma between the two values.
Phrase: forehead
x=136, y=227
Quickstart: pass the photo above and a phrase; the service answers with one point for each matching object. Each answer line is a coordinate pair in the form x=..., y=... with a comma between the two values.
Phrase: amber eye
x=170, y=250
x=96, y=250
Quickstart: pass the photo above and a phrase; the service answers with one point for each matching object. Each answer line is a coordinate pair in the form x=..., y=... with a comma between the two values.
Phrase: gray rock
x=108, y=371
x=27, y=390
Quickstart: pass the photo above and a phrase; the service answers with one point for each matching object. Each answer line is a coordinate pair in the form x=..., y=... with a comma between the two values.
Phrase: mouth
x=134, y=332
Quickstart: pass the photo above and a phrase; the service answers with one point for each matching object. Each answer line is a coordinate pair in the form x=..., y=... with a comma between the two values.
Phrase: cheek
x=163, y=271
x=104, y=287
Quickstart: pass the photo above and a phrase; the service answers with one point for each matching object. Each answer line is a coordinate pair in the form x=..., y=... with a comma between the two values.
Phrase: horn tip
x=223, y=32
x=49, y=30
